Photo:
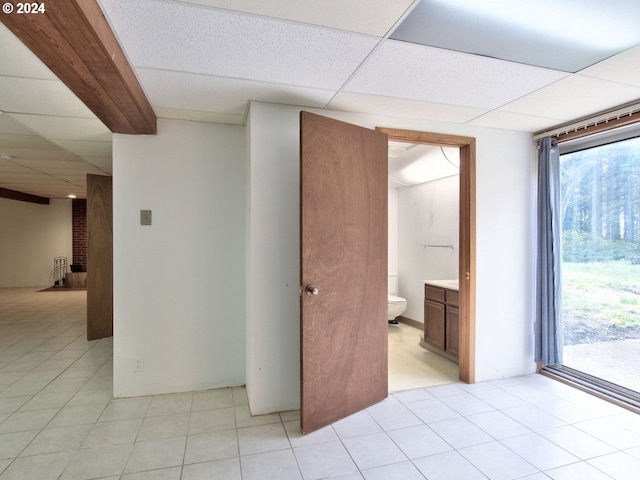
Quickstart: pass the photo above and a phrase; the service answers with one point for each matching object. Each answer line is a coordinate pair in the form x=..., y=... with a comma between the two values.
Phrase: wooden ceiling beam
x=22, y=197
x=74, y=39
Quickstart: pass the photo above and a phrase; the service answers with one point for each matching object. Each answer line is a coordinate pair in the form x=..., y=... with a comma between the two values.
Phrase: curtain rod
x=620, y=117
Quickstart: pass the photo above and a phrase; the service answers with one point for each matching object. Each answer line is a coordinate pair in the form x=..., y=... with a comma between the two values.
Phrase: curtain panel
x=548, y=323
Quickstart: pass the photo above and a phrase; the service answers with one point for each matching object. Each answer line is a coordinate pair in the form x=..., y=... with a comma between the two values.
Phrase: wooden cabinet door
x=434, y=324
x=453, y=331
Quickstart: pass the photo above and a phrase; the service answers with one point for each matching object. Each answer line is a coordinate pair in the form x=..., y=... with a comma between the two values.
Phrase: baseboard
x=411, y=322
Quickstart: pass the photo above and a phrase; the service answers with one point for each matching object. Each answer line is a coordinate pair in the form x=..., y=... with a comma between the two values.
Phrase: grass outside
x=600, y=301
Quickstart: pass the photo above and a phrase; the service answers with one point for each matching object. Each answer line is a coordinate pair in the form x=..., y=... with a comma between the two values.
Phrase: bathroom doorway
x=410, y=365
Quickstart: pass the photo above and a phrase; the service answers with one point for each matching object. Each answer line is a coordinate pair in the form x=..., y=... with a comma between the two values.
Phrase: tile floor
x=58, y=421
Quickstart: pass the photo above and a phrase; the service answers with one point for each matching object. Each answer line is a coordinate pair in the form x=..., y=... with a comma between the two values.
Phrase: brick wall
x=79, y=239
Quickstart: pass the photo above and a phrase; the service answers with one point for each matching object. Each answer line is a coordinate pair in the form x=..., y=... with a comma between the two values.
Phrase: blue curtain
x=548, y=326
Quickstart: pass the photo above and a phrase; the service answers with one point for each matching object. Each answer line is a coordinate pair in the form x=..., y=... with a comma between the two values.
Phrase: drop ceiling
x=436, y=60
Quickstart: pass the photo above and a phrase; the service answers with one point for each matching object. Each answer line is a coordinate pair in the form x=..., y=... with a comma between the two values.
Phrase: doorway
x=423, y=244
x=466, y=235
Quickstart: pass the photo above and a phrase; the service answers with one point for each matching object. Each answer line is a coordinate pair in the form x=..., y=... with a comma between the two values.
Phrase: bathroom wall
x=393, y=230
x=31, y=236
x=428, y=214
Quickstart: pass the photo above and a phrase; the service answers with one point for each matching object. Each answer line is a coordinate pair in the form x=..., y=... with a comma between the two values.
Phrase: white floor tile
x=41, y=467
x=448, y=466
x=418, y=441
x=163, y=427
x=59, y=439
x=393, y=415
x=533, y=418
x=97, y=462
x=58, y=419
x=297, y=439
x=324, y=460
x=156, y=454
x=577, y=442
x=374, y=450
x=539, y=451
x=497, y=462
x=207, y=447
x=280, y=465
x=581, y=471
x=263, y=438
x=228, y=469
x=460, y=433
x=361, y=423
x=611, y=433
x=397, y=471
x=432, y=410
x=498, y=425
x=619, y=465
x=113, y=433
x=162, y=474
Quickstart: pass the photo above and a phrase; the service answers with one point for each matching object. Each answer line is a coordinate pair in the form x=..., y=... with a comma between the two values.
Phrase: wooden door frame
x=467, y=236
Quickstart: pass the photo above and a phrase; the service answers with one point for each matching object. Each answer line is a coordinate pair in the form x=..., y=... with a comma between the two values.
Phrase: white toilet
x=396, y=305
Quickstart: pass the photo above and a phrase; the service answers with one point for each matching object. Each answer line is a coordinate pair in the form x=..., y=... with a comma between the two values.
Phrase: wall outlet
x=138, y=364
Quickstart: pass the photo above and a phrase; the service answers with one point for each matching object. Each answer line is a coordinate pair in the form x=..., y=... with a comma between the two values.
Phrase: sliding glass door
x=600, y=194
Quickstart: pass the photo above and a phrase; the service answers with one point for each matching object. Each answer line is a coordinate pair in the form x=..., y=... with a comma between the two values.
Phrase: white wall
x=31, y=236
x=392, y=215
x=273, y=322
x=504, y=201
x=179, y=284
x=428, y=215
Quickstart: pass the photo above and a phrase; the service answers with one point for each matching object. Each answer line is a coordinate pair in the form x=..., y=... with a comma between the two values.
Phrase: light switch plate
x=145, y=217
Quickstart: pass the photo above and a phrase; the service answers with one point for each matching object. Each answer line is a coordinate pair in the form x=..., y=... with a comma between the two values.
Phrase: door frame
x=467, y=236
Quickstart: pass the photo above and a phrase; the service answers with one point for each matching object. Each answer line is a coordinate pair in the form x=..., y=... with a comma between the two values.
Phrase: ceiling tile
x=105, y=164
x=380, y=17
x=39, y=154
x=18, y=60
x=187, y=91
x=361, y=103
x=574, y=97
x=616, y=68
x=9, y=125
x=25, y=141
x=215, y=42
x=197, y=116
x=66, y=128
x=569, y=39
x=398, y=69
x=52, y=167
x=514, y=121
x=44, y=97
x=81, y=148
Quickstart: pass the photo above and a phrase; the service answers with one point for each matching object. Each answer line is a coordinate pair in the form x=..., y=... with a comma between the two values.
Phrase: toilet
x=396, y=305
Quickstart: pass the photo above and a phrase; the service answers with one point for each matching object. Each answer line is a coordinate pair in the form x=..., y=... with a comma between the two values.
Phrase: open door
x=343, y=304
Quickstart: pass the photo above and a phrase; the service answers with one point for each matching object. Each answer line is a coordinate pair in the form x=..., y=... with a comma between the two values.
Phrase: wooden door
x=343, y=269
x=99, y=257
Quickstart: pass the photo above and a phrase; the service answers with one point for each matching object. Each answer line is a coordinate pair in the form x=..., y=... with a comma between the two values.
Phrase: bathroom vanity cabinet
x=441, y=318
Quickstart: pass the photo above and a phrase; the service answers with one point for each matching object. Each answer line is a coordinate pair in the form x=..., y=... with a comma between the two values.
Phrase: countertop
x=448, y=284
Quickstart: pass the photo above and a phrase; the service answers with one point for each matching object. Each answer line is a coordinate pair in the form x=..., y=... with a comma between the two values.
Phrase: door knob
x=311, y=290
